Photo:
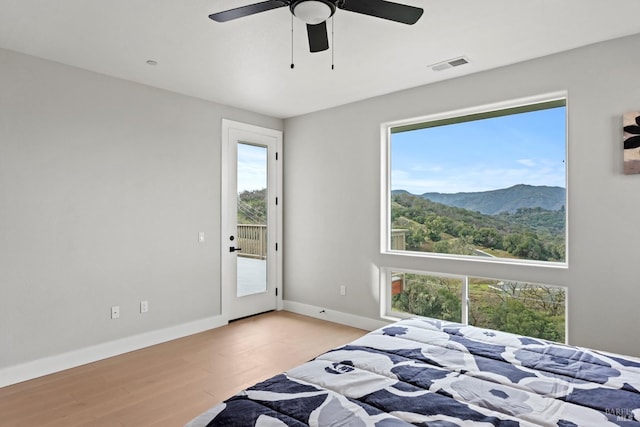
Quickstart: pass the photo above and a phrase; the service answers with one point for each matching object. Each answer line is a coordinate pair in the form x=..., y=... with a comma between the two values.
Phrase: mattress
x=426, y=372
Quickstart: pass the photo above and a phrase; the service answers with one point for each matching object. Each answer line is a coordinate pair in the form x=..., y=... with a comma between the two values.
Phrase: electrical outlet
x=115, y=311
x=343, y=290
x=144, y=306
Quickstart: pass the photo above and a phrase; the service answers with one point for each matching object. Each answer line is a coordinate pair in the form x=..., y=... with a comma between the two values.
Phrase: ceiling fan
x=316, y=12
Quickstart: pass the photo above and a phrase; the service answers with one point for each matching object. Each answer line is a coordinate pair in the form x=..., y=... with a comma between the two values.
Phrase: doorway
x=251, y=261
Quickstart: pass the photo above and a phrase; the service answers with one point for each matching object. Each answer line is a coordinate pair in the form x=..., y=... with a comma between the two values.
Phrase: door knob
x=232, y=249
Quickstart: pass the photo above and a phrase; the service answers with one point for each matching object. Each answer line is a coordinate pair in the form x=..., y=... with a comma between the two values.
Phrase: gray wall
x=104, y=186
x=332, y=192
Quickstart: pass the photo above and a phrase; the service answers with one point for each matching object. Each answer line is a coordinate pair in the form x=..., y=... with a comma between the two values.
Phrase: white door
x=251, y=219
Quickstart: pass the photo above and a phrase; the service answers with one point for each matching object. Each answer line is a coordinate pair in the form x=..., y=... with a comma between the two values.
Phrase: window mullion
x=465, y=300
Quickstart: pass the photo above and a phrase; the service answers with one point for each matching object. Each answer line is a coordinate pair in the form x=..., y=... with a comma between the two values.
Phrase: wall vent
x=450, y=63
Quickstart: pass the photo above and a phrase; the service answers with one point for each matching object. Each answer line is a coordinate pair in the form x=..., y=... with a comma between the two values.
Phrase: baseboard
x=60, y=362
x=334, y=316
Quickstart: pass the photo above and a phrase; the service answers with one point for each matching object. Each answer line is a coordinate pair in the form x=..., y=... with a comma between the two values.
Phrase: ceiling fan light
x=312, y=11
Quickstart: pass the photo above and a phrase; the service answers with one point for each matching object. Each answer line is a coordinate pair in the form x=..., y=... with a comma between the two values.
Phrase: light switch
x=201, y=237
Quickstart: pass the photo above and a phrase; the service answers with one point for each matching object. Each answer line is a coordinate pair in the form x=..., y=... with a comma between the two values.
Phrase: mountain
x=504, y=200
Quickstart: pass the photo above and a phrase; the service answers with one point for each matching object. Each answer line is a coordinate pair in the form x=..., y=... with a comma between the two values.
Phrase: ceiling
x=245, y=63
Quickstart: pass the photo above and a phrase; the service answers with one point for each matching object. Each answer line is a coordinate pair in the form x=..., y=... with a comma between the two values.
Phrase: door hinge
x=276, y=291
x=276, y=246
x=276, y=155
x=276, y=201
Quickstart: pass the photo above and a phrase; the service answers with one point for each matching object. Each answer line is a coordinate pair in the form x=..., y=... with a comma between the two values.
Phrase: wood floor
x=169, y=384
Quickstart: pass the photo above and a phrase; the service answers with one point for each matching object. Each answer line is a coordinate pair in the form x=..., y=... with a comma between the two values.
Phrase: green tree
x=435, y=227
x=415, y=237
x=435, y=299
x=526, y=245
x=514, y=316
x=488, y=237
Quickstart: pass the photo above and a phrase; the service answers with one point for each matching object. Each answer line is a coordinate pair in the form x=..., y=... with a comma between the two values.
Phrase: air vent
x=455, y=62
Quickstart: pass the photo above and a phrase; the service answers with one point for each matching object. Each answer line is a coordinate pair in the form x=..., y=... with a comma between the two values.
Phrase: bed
x=427, y=372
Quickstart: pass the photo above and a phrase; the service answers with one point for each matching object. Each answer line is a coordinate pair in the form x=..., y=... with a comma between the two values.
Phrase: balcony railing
x=398, y=239
x=252, y=239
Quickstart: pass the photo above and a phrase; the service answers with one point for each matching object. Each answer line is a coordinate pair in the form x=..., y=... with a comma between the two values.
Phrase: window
x=488, y=183
x=522, y=308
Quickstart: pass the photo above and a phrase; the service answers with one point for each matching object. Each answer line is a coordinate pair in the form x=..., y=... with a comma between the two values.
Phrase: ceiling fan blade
x=251, y=9
x=318, y=38
x=402, y=13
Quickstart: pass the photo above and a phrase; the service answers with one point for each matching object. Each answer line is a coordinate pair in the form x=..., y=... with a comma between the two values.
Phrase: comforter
x=427, y=372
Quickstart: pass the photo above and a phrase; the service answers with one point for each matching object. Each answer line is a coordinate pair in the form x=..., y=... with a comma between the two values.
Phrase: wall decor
x=631, y=141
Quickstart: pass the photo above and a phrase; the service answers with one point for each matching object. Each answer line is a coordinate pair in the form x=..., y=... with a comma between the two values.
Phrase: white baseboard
x=334, y=316
x=60, y=362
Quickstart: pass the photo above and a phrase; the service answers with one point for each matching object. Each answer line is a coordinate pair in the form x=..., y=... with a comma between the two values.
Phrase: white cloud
x=527, y=162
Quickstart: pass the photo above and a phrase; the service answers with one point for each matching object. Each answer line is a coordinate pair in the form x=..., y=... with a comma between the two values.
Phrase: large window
x=488, y=182
x=522, y=308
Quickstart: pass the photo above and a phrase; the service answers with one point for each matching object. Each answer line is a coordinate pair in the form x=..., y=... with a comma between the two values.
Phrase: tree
x=435, y=226
x=416, y=236
x=488, y=237
x=527, y=246
x=515, y=317
x=429, y=297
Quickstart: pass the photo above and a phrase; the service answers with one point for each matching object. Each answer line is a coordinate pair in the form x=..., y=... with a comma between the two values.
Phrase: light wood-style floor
x=171, y=383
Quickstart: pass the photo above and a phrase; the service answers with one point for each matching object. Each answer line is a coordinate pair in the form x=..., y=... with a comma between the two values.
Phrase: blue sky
x=252, y=167
x=481, y=155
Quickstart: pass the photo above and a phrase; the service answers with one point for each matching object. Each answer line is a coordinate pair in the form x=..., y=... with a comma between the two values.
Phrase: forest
x=521, y=308
x=529, y=233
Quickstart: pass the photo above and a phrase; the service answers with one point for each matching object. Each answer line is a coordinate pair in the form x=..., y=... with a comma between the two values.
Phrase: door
x=251, y=219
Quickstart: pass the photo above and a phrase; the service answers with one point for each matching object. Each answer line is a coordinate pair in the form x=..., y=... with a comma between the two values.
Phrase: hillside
x=504, y=200
x=528, y=233
x=252, y=207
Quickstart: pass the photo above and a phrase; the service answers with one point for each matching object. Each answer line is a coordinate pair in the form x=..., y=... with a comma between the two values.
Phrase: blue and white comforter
x=427, y=372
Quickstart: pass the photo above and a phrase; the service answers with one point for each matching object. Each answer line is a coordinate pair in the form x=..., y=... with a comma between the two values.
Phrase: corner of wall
x=334, y=316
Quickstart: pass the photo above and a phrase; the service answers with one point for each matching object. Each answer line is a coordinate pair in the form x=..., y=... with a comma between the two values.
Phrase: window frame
x=496, y=109
x=387, y=312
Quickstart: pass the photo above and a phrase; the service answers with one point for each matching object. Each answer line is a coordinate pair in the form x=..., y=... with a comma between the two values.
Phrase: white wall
x=332, y=195
x=104, y=186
